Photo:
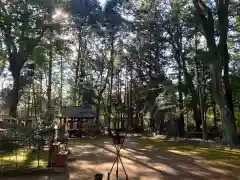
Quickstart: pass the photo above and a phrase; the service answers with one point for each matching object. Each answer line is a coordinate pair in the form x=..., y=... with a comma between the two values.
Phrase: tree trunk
x=14, y=94
x=119, y=100
x=205, y=15
x=99, y=98
x=122, y=120
x=98, y=111
x=130, y=90
x=77, y=69
x=61, y=82
x=177, y=51
x=49, y=88
x=152, y=124
x=181, y=118
x=197, y=118
x=34, y=101
x=227, y=85
x=180, y=98
x=214, y=110
x=50, y=112
x=109, y=104
x=202, y=112
x=81, y=98
x=195, y=97
x=41, y=94
x=161, y=129
x=142, y=122
x=228, y=122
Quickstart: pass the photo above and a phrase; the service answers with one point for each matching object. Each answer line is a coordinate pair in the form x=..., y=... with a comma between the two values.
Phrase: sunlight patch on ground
x=196, y=151
x=143, y=173
x=16, y=156
x=86, y=152
x=160, y=160
x=193, y=170
x=149, y=147
x=106, y=142
x=99, y=166
x=105, y=167
x=24, y=158
x=162, y=157
x=199, y=173
x=87, y=146
x=109, y=154
x=142, y=157
x=180, y=152
x=232, y=150
x=129, y=150
x=42, y=163
x=202, y=149
x=212, y=163
x=165, y=168
x=220, y=171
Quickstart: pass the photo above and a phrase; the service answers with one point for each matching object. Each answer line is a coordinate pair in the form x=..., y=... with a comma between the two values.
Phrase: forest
x=140, y=63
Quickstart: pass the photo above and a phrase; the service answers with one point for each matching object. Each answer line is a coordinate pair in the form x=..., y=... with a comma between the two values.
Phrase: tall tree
x=218, y=53
x=23, y=27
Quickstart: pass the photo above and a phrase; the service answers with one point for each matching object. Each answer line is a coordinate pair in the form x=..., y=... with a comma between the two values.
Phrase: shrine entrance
x=76, y=120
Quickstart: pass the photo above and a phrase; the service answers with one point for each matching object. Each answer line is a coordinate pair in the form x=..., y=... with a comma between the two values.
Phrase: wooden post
x=65, y=124
x=71, y=123
x=74, y=124
x=78, y=123
x=60, y=122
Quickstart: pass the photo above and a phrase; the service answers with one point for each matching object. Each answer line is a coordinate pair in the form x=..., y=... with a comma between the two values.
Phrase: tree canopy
x=139, y=63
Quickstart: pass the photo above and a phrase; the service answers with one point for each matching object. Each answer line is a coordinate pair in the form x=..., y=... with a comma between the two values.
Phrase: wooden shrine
x=73, y=118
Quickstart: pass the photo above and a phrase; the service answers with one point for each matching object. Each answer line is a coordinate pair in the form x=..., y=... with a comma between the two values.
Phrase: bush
x=10, y=145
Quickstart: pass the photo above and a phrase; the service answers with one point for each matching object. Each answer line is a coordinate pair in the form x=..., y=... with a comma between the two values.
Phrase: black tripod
x=118, y=143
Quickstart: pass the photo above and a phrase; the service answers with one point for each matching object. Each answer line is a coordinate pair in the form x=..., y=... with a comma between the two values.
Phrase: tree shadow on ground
x=146, y=163
x=51, y=176
x=190, y=164
x=197, y=149
x=76, y=173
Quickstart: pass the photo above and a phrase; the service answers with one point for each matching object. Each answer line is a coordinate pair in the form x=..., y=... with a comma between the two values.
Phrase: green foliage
x=2, y=63
x=237, y=116
x=40, y=57
x=158, y=53
x=86, y=12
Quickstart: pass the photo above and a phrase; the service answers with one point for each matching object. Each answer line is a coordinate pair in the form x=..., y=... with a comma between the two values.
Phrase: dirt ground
x=146, y=163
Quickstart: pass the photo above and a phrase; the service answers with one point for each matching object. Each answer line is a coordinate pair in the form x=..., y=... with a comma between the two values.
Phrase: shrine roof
x=82, y=111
